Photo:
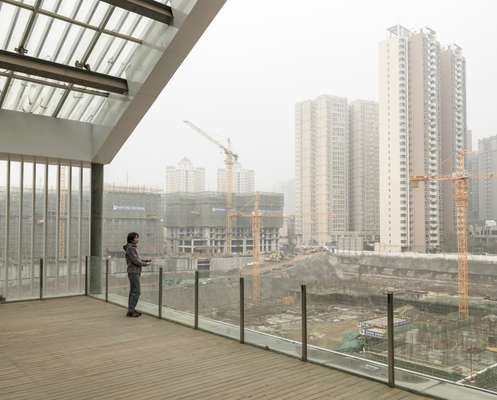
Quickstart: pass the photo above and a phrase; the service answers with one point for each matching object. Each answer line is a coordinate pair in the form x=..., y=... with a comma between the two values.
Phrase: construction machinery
x=460, y=180
x=256, y=249
x=230, y=159
x=256, y=227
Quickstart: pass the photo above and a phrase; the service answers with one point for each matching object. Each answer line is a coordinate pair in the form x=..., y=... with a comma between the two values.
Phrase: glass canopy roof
x=89, y=34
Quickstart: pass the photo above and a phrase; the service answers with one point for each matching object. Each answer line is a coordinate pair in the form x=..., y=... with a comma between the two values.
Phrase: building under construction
x=196, y=222
x=132, y=209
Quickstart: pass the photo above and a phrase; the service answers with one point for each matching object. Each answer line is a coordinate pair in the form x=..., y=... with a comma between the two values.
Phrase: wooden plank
x=80, y=348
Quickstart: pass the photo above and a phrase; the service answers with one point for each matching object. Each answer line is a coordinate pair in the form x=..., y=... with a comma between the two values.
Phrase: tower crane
x=256, y=249
x=460, y=180
x=230, y=159
x=256, y=229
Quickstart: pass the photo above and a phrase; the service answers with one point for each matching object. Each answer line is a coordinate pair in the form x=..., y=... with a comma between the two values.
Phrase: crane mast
x=460, y=180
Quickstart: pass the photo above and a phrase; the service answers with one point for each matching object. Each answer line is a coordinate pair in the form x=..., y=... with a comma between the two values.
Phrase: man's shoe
x=129, y=314
x=135, y=314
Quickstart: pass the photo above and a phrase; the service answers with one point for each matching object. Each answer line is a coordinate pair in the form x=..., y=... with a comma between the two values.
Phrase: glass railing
x=347, y=325
x=273, y=318
x=219, y=303
x=441, y=342
x=58, y=278
x=334, y=317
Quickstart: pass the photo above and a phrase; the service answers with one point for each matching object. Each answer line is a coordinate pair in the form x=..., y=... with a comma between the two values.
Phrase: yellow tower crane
x=256, y=249
x=256, y=217
x=460, y=180
x=230, y=159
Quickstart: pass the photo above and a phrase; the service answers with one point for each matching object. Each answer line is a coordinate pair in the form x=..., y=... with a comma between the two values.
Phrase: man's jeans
x=134, y=290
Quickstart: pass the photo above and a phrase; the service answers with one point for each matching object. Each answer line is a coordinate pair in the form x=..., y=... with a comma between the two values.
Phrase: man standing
x=135, y=264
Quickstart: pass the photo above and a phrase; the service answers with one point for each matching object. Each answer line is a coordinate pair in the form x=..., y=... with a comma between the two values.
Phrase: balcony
x=84, y=346
x=87, y=349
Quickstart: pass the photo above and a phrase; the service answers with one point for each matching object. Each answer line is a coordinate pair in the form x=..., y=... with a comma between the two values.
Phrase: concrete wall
x=223, y=264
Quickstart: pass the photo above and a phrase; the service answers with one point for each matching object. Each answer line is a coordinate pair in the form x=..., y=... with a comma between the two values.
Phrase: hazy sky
x=258, y=58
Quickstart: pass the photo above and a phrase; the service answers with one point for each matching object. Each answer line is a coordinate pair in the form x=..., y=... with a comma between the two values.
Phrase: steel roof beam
x=61, y=17
x=62, y=73
x=148, y=8
x=51, y=84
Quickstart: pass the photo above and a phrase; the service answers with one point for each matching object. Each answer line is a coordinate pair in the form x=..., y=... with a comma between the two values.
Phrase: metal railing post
x=86, y=275
x=41, y=278
x=160, y=293
x=242, y=310
x=303, y=298
x=107, y=280
x=390, y=333
x=195, y=325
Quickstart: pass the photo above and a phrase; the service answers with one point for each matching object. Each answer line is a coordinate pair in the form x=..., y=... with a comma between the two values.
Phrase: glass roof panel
x=2, y=83
x=7, y=13
x=14, y=90
x=48, y=47
x=12, y=31
x=47, y=100
x=121, y=62
x=141, y=28
x=79, y=106
x=116, y=19
x=71, y=101
x=85, y=9
x=65, y=8
x=38, y=35
x=105, y=53
x=99, y=14
x=79, y=48
x=92, y=108
x=57, y=35
x=53, y=5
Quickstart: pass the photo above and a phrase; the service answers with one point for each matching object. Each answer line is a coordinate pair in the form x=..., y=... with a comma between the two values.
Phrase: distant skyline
x=243, y=78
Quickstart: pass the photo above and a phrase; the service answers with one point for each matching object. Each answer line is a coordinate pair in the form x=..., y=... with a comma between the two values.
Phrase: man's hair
x=132, y=236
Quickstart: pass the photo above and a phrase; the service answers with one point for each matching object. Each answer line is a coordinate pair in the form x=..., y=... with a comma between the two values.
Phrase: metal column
x=45, y=224
x=57, y=230
x=86, y=274
x=195, y=325
x=19, y=231
x=160, y=292
x=107, y=280
x=242, y=310
x=33, y=227
x=303, y=301
x=80, y=225
x=390, y=344
x=7, y=230
x=96, y=227
x=68, y=228
x=41, y=278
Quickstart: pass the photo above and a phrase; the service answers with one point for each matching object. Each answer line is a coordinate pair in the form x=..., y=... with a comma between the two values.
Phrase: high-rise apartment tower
x=184, y=178
x=244, y=180
x=364, y=169
x=322, y=169
x=422, y=110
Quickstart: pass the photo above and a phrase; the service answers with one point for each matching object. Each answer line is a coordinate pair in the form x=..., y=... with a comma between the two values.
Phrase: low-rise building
x=196, y=223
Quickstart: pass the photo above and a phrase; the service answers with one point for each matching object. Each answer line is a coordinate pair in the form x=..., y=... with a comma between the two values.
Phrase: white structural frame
x=148, y=70
x=23, y=262
x=59, y=138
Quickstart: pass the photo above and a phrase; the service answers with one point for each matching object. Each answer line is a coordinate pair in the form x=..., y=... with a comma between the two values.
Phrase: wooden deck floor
x=81, y=348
